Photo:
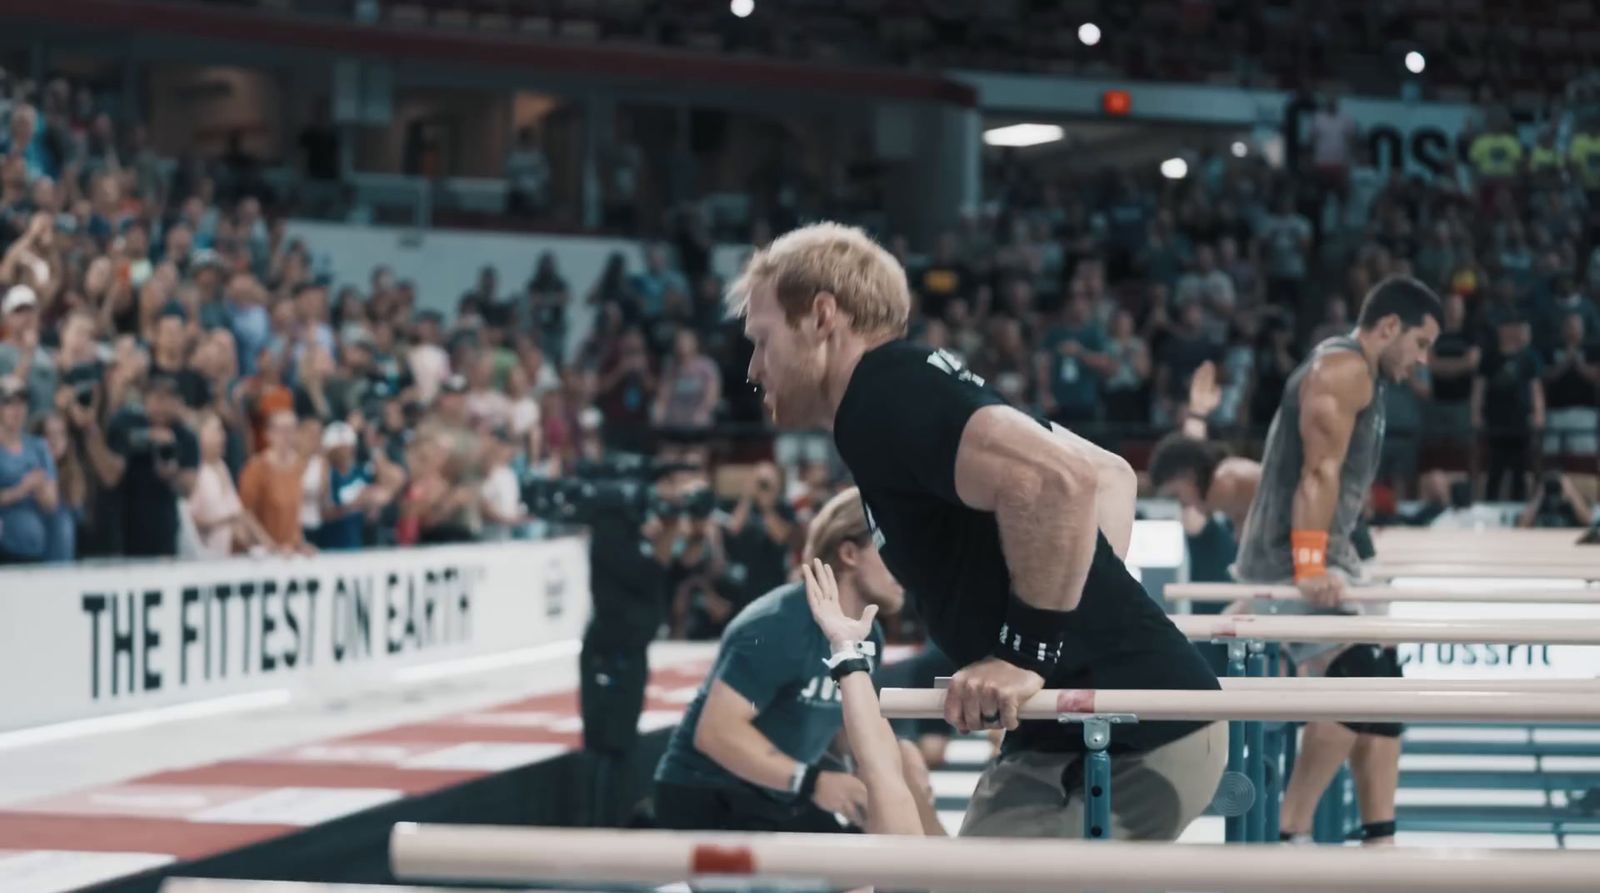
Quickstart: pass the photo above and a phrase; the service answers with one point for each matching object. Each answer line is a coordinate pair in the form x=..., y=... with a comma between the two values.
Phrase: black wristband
x=850, y=665
x=808, y=783
x=1031, y=637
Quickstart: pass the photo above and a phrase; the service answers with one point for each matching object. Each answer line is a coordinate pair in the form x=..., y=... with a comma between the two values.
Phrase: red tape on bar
x=1075, y=700
x=710, y=858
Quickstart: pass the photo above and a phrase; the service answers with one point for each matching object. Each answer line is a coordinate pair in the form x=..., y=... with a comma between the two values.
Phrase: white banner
x=1497, y=661
x=87, y=641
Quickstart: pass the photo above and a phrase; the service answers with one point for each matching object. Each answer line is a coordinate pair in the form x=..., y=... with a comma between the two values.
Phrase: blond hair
x=866, y=280
x=841, y=519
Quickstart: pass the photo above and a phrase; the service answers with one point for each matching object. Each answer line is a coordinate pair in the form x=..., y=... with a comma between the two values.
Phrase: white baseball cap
x=17, y=298
x=338, y=434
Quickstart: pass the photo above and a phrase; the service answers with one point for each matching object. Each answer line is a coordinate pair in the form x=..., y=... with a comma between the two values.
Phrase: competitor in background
x=1322, y=454
x=1213, y=489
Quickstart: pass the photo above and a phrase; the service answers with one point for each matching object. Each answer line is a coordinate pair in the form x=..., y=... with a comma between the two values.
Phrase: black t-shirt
x=627, y=583
x=1183, y=354
x=1507, y=398
x=1457, y=389
x=756, y=564
x=1570, y=389
x=147, y=504
x=898, y=429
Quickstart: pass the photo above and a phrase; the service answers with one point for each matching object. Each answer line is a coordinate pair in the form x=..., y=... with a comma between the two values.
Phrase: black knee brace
x=1368, y=662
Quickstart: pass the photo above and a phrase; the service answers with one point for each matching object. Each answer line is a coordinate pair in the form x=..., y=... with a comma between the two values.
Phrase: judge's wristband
x=1031, y=637
x=805, y=784
x=849, y=665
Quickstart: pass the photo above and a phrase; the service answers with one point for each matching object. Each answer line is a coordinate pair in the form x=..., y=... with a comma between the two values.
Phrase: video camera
x=621, y=484
x=141, y=444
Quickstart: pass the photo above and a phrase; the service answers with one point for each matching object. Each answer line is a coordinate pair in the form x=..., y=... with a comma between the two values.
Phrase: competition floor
x=80, y=809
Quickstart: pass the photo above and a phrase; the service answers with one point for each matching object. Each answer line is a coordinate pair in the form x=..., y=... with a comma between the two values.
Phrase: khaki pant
x=1154, y=795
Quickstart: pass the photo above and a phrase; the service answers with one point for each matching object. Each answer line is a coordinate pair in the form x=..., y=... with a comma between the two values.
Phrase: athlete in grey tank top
x=1264, y=551
x=1321, y=456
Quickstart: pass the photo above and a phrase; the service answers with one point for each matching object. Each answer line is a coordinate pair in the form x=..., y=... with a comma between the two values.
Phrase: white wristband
x=798, y=778
x=848, y=650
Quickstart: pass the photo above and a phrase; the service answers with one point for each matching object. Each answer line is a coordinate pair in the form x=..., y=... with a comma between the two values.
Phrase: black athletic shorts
x=1368, y=662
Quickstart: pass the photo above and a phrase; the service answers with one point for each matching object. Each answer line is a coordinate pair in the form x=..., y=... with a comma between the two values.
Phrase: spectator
x=1006, y=362
x=1572, y=392
x=221, y=524
x=148, y=458
x=271, y=485
x=1186, y=348
x=1127, y=387
x=1234, y=373
x=527, y=175
x=1402, y=439
x=1205, y=283
x=503, y=512
x=1454, y=368
x=1496, y=156
x=72, y=486
x=1243, y=272
x=29, y=494
x=626, y=388
x=1567, y=300
x=1072, y=365
x=699, y=611
x=1276, y=360
x=1286, y=242
x=548, y=296
x=487, y=404
x=1336, y=322
x=313, y=480
x=170, y=356
x=348, y=492
x=1161, y=258
x=658, y=279
x=21, y=357
x=1508, y=406
x=1334, y=137
x=942, y=280
x=690, y=388
x=1557, y=504
x=436, y=508
x=759, y=537
x=427, y=362
x=249, y=318
x=263, y=395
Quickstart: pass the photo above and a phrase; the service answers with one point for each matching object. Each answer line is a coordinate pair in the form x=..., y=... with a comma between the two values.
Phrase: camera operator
x=1557, y=504
x=146, y=459
x=631, y=547
x=758, y=538
x=699, y=611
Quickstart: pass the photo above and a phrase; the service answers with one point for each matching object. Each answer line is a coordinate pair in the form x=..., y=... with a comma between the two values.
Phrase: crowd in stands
x=1535, y=45
x=179, y=377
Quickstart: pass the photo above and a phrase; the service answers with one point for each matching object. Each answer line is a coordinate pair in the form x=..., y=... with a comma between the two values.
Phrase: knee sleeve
x=1368, y=662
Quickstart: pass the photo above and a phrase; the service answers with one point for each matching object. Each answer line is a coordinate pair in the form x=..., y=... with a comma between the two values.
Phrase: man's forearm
x=891, y=806
x=1047, y=540
x=740, y=748
x=1315, y=499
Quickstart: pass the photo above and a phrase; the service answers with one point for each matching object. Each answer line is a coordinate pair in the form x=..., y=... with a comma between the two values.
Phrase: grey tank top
x=1264, y=555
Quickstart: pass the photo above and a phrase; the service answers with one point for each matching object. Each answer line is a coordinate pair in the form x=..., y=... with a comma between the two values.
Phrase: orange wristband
x=1310, y=549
